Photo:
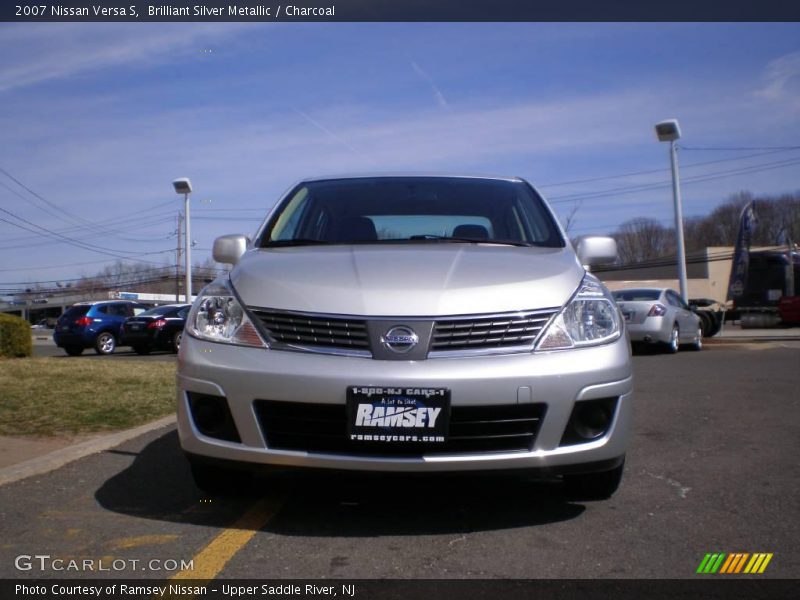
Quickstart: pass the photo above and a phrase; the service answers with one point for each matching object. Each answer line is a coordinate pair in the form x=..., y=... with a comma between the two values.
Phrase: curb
x=54, y=460
x=750, y=339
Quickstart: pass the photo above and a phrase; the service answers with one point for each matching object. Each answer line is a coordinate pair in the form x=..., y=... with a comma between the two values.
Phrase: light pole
x=670, y=131
x=184, y=186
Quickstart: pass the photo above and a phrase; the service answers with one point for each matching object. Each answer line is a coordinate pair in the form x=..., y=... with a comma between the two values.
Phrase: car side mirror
x=229, y=249
x=595, y=250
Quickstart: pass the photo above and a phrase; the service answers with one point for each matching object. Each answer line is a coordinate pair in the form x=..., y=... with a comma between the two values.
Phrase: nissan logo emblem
x=400, y=339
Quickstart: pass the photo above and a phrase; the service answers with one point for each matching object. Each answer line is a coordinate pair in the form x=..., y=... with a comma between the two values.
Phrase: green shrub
x=15, y=337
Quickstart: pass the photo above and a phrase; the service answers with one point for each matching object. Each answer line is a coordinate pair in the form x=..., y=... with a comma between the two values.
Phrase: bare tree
x=569, y=220
x=644, y=239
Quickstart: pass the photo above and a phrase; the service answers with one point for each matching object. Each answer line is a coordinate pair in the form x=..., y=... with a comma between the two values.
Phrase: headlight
x=590, y=318
x=217, y=316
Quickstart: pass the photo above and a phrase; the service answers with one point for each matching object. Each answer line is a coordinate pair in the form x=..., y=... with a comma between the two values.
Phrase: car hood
x=407, y=280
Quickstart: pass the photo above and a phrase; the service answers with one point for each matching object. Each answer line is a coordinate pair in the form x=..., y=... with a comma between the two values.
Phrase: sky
x=97, y=119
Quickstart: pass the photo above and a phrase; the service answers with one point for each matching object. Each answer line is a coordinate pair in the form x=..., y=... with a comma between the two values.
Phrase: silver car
x=660, y=316
x=407, y=324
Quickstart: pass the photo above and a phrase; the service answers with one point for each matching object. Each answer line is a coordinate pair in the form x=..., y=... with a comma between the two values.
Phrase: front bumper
x=557, y=379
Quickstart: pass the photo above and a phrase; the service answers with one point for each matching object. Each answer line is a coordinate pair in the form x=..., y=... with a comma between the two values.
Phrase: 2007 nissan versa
x=407, y=324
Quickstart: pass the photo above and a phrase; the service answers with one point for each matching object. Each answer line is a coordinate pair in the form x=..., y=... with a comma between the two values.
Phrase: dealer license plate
x=398, y=414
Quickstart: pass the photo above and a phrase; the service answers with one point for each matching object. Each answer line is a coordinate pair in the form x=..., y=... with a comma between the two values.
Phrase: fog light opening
x=590, y=420
x=212, y=417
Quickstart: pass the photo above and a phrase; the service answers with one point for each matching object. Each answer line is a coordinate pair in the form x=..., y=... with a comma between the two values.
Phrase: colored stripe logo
x=734, y=563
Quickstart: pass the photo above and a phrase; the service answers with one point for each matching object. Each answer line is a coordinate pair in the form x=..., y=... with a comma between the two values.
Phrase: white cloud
x=779, y=74
x=56, y=51
x=105, y=152
x=437, y=93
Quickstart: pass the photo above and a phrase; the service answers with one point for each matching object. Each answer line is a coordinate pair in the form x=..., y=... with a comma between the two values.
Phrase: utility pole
x=178, y=261
x=184, y=186
x=188, y=248
x=670, y=131
x=789, y=265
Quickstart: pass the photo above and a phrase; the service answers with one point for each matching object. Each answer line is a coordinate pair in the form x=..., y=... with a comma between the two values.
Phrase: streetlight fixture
x=184, y=186
x=670, y=131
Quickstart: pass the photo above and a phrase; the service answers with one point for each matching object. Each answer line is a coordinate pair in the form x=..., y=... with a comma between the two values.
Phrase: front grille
x=313, y=330
x=310, y=427
x=489, y=332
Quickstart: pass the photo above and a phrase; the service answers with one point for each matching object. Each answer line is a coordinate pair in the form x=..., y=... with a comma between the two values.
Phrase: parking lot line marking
x=142, y=540
x=212, y=559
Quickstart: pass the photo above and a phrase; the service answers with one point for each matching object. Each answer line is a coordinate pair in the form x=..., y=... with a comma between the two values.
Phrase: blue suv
x=95, y=325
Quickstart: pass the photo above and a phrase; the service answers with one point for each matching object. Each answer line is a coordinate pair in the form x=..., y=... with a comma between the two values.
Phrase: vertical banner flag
x=741, y=254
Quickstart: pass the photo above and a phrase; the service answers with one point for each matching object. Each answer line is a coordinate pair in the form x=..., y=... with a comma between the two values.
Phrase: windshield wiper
x=464, y=240
x=295, y=242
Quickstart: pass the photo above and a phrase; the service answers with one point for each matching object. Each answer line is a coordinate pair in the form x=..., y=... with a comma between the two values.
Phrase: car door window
x=673, y=300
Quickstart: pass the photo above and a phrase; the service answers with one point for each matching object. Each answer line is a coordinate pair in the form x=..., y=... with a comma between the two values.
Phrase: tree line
x=643, y=239
x=639, y=240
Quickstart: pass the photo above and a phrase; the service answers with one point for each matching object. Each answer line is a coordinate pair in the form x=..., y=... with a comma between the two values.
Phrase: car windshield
x=636, y=295
x=412, y=210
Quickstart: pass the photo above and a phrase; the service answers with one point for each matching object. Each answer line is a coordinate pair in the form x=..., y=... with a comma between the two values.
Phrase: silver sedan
x=659, y=316
x=407, y=324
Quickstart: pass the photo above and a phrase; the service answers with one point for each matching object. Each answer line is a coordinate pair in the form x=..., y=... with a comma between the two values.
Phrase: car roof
x=641, y=289
x=409, y=175
x=178, y=305
x=97, y=302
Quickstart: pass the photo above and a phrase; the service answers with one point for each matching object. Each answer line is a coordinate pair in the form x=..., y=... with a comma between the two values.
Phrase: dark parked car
x=94, y=325
x=159, y=327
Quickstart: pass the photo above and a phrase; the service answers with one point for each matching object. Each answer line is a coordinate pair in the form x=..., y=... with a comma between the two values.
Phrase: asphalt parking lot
x=712, y=468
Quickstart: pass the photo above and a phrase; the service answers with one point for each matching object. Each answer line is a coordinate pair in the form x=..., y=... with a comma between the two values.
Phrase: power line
x=666, y=183
x=84, y=223
x=130, y=218
x=26, y=240
x=652, y=171
x=78, y=228
x=88, y=279
x=34, y=194
x=738, y=148
x=78, y=264
x=97, y=282
x=68, y=240
x=667, y=261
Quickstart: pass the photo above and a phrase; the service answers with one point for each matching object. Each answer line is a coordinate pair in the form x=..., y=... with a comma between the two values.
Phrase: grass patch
x=55, y=396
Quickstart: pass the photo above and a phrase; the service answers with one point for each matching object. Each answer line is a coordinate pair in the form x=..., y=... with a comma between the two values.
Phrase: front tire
x=594, y=486
x=74, y=350
x=106, y=343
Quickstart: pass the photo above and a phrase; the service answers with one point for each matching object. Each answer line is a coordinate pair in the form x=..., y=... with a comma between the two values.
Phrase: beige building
x=707, y=273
